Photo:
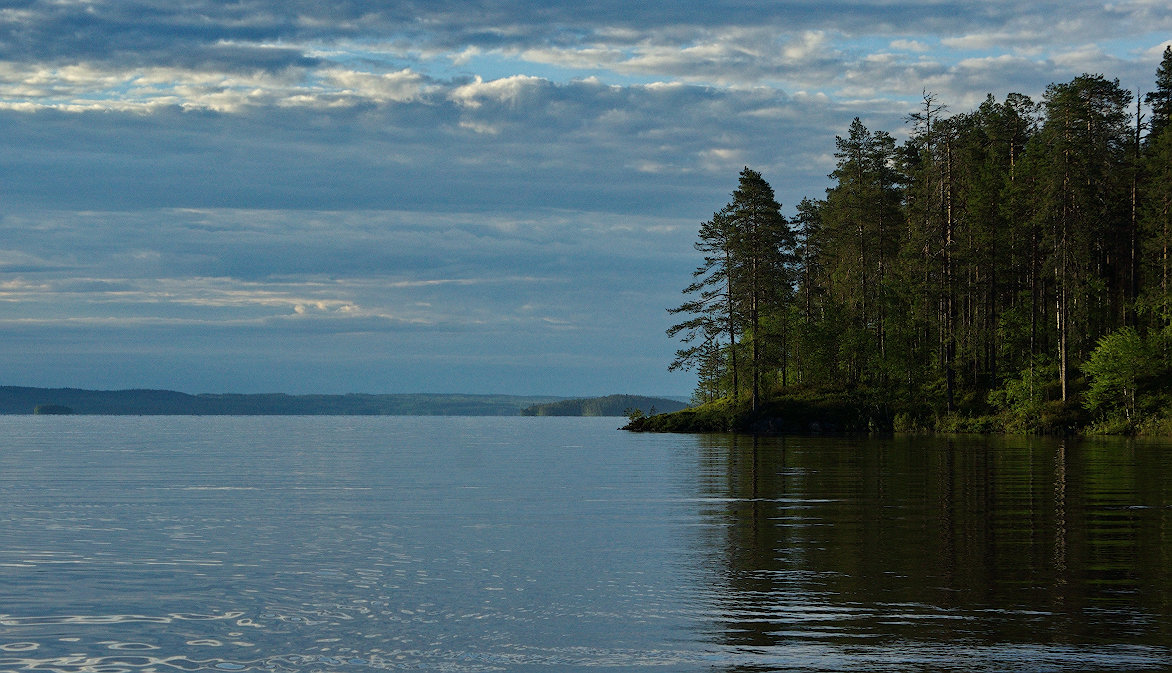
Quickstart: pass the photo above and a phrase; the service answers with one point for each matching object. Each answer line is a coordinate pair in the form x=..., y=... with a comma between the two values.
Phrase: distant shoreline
x=21, y=400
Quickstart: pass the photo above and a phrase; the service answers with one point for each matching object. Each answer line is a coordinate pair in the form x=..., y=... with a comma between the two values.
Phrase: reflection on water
x=343, y=544
x=333, y=544
x=982, y=554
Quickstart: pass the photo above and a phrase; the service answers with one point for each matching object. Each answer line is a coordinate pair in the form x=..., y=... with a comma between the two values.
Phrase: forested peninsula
x=1003, y=269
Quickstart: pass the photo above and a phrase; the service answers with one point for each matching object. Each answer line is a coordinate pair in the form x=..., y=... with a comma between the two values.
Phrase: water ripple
x=9, y=620
x=796, y=656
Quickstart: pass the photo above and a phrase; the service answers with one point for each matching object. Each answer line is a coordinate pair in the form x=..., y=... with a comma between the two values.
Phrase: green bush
x=1062, y=418
x=1114, y=370
x=905, y=421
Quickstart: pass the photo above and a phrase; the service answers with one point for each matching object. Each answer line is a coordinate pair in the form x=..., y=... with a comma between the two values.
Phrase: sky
x=442, y=196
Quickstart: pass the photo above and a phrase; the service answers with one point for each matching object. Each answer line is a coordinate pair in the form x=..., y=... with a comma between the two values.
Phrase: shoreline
x=863, y=412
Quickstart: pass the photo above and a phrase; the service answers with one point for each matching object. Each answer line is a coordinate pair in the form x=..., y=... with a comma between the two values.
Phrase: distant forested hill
x=611, y=405
x=20, y=400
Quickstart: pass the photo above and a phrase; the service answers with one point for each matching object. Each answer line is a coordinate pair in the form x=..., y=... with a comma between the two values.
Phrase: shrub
x=1115, y=368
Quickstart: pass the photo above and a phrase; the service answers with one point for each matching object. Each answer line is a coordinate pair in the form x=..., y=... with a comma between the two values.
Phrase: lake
x=556, y=544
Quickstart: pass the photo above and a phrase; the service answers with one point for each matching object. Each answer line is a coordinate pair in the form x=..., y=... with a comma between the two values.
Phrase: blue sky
x=442, y=196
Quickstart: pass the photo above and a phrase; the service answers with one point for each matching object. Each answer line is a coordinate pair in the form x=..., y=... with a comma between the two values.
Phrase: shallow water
x=549, y=544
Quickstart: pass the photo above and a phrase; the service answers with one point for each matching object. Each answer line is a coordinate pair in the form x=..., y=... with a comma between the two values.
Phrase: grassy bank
x=804, y=412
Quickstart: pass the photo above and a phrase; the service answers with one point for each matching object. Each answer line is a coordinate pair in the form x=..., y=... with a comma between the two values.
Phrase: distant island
x=27, y=400
x=22, y=400
x=611, y=405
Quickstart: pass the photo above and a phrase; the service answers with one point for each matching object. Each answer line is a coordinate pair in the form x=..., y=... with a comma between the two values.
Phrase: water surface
x=550, y=544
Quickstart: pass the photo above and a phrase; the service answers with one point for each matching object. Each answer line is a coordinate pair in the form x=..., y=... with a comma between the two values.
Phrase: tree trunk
x=732, y=330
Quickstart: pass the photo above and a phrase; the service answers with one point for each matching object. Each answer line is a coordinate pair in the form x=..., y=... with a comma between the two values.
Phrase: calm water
x=545, y=544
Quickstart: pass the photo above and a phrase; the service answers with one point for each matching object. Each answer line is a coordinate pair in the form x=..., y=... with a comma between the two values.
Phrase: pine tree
x=763, y=258
x=1156, y=226
x=1160, y=100
x=1084, y=142
x=860, y=221
x=1155, y=210
x=713, y=309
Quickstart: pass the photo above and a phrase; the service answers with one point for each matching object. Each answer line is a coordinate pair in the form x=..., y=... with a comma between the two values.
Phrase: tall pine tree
x=763, y=257
x=1083, y=144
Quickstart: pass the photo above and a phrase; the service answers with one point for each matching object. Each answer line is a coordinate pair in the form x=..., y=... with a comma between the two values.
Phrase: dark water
x=542, y=544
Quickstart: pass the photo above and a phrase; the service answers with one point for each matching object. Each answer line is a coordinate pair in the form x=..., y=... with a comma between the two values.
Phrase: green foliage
x=1060, y=417
x=718, y=416
x=1160, y=99
x=1114, y=369
x=962, y=424
x=905, y=421
x=1156, y=228
x=1129, y=381
x=711, y=310
x=714, y=374
x=744, y=278
x=1025, y=394
x=1157, y=424
x=797, y=409
x=968, y=279
x=610, y=405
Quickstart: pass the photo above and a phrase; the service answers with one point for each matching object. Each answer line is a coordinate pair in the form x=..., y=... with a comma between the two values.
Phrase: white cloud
x=510, y=91
x=810, y=45
x=722, y=159
x=1156, y=52
x=81, y=87
x=403, y=86
x=990, y=40
x=910, y=45
x=580, y=58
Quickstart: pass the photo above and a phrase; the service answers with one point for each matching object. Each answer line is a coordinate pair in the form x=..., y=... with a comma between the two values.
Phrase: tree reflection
x=924, y=540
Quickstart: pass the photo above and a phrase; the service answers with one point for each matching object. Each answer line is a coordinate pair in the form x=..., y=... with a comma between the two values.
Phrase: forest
x=1003, y=269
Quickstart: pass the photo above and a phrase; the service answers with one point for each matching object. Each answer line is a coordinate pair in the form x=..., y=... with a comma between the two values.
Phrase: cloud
x=436, y=288
x=418, y=152
x=910, y=45
x=403, y=86
x=183, y=269
x=355, y=194
x=510, y=92
x=226, y=57
x=1156, y=52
